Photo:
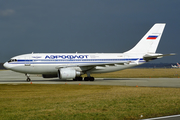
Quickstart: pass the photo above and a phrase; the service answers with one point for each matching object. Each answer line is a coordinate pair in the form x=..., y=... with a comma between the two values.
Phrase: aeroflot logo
x=66, y=56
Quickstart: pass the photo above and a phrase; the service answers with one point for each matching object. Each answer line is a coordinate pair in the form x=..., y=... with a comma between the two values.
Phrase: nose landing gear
x=28, y=77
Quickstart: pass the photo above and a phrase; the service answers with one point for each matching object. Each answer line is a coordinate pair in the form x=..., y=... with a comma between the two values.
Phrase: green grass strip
x=86, y=102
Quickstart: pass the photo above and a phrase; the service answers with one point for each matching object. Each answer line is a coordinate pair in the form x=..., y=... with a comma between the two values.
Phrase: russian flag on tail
x=152, y=37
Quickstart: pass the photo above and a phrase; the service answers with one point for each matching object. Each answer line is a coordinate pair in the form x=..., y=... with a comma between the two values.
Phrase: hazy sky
x=100, y=26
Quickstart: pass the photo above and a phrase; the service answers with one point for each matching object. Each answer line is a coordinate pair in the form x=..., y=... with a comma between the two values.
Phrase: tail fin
x=150, y=41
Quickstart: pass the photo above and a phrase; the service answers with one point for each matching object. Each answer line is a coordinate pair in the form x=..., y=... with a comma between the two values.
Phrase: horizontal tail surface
x=150, y=41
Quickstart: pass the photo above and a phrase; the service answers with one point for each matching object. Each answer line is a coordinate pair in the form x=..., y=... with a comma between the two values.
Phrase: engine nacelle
x=68, y=73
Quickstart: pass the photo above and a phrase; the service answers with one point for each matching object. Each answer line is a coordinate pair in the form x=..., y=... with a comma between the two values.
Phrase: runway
x=10, y=77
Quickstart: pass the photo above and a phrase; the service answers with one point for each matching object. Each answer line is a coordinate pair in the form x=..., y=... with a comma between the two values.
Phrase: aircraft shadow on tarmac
x=117, y=79
x=58, y=80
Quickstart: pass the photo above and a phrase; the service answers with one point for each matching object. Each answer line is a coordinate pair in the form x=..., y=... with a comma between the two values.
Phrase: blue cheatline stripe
x=73, y=61
x=132, y=59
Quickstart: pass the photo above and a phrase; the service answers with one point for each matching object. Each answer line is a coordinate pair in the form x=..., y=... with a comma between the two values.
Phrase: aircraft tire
x=86, y=79
x=91, y=78
x=28, y=80
x=77, y=79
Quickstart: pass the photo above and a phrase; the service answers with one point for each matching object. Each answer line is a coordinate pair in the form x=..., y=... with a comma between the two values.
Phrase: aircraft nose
x=6, y=65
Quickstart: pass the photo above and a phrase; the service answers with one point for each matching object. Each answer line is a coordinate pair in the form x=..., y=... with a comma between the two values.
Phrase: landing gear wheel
x=28, y=79
x=86, y=79
x=89, y=79
x=77, y=79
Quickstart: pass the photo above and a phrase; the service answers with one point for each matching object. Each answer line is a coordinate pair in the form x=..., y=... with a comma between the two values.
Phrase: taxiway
x=10, y=77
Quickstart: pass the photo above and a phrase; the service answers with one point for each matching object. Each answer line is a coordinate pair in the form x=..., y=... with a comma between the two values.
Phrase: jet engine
x=68, y=73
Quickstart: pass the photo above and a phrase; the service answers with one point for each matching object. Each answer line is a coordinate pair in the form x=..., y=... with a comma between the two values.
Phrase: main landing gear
x=85, y=79
x=89, y=79
x=28, y=77
x=78, y=79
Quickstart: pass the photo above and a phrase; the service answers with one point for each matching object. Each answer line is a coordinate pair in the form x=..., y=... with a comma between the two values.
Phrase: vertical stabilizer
x=150, y=41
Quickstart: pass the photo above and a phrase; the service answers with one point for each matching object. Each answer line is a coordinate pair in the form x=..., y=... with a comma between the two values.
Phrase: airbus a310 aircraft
x=73, y=65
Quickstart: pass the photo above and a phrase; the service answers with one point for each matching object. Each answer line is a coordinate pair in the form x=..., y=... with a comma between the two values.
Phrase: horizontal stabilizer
x=149, y=57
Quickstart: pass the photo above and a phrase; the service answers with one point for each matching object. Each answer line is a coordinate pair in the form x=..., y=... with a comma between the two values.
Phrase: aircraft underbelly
x=112, y=68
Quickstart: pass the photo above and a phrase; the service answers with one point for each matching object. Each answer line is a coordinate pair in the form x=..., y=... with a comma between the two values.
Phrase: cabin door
x=27, y=61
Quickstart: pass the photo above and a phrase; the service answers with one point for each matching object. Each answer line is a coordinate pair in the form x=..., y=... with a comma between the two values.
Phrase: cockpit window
x=12, y=60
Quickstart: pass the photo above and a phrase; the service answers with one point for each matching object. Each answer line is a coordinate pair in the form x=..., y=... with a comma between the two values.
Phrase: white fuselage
x=49, y=63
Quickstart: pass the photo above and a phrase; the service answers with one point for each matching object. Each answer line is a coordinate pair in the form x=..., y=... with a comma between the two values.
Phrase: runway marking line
x=162, y=117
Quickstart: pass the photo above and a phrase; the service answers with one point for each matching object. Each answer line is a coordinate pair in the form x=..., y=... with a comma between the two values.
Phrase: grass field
x=79, y=102
x=92, y=102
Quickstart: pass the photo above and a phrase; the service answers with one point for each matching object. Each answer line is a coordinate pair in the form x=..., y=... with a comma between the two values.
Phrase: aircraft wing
x=149, y=57
x=93, y=64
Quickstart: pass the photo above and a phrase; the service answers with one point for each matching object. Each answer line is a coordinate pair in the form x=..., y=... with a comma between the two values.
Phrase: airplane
x=73, y=65
x=176, y=66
